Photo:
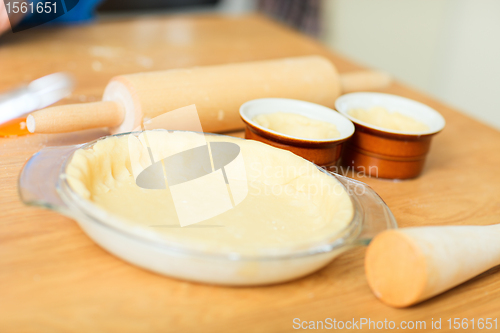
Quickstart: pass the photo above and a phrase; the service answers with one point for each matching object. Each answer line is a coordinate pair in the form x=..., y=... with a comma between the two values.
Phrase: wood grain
x=53, y=278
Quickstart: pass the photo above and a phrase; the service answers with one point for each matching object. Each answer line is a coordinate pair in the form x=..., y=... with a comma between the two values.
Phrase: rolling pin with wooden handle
x=410, y=265
x=217, y=92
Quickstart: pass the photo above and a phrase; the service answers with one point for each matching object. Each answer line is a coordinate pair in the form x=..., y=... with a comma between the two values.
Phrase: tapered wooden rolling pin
x=217, y=92
x=410, y=265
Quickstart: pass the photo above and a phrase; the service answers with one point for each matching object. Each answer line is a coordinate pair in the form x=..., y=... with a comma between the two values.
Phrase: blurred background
x=449, y=49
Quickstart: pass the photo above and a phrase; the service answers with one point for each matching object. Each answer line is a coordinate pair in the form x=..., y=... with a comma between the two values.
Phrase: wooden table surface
x=53, y=278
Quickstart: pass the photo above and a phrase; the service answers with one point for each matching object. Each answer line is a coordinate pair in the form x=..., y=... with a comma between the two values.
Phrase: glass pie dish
x=43, y=182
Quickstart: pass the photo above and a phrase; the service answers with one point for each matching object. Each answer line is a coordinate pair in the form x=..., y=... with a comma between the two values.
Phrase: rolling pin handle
x=407, y=266
x=75, y=117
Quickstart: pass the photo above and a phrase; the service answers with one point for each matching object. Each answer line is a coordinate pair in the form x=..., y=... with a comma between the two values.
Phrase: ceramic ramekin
x=386, y=153
x=325, y=153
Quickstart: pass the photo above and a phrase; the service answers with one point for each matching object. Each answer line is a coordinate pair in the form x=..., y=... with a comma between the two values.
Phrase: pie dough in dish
x=288, y=205
x=257, y=238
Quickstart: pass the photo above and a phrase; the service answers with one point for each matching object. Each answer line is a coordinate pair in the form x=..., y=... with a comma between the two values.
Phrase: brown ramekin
x=384, y=153
x=325, y=153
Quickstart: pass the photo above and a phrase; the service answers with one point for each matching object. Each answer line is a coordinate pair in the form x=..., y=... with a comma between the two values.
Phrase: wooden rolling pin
x=217, y=92
x=407, y=266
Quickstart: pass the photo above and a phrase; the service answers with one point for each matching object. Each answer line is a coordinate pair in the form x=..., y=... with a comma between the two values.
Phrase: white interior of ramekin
x=253, y=108
x=393, y=103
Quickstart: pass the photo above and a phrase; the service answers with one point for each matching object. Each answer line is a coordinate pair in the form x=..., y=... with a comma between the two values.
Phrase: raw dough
x=297, y=125
x=290, y=203
x=381, y=117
